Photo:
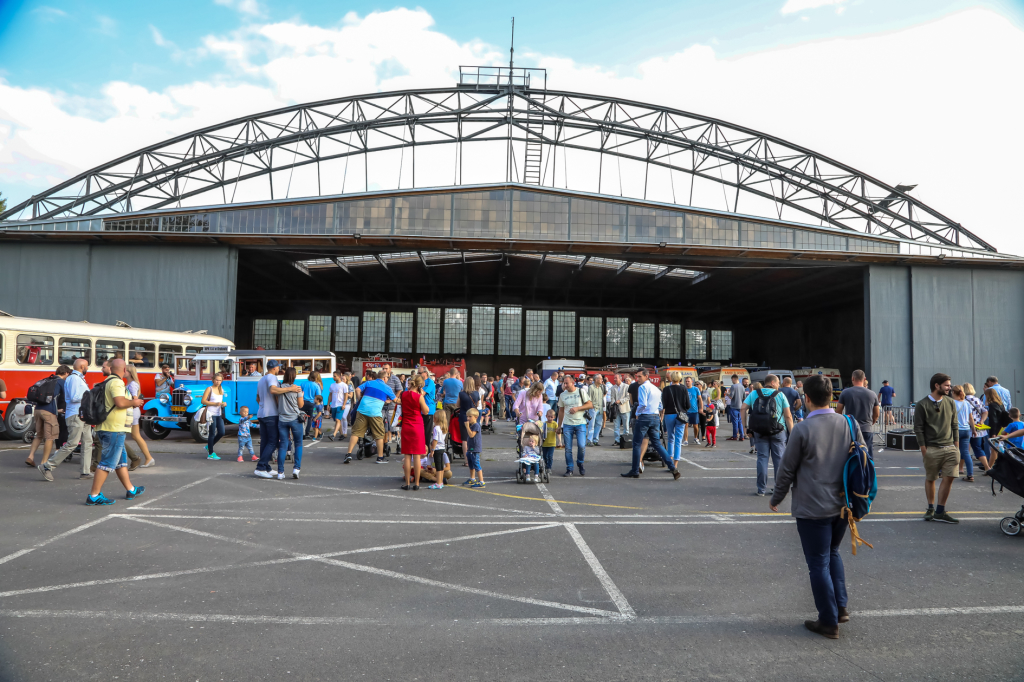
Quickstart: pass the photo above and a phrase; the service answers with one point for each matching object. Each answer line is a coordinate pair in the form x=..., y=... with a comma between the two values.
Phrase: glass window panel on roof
x=510, y=330
x=456, y=323
x=264, y=334
x=400, y=333
x=364, y=216
x=319, y=332
x=711, y=231
x=616, y=336
x=426, y=214
x=669, y=344
x=346, y=333
x=643, y=340
x=655, y=225
x=536, y=215
x=428, y=330
x=563, y=333
x=721, y=344
x=374, y=324
x=590, y=337
x=537, y=332
x=696, y=344
x=483, y=330
x=598, y=221
x=481, y=214
x=303, y=219
x=293, y=334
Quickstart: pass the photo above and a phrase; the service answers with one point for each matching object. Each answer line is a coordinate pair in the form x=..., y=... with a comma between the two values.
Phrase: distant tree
x=3, y=203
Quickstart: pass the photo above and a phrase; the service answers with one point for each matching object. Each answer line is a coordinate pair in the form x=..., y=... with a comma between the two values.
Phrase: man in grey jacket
x=813, y=467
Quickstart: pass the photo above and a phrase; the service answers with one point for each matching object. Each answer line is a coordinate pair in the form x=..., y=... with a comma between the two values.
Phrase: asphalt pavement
x=214, y=574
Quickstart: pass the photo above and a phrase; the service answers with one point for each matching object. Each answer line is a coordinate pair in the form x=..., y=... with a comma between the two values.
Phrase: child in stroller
x=1008, y=471
x=531, y=467
x=453, y=438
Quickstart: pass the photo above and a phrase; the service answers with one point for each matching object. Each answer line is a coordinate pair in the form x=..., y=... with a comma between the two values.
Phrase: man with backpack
x=78, y=431
x=770, y=420
x=109, y=407
x=814, y=466
x=43, y=395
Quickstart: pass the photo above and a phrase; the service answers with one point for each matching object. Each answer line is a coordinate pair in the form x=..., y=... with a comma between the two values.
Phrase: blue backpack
x=859, y=486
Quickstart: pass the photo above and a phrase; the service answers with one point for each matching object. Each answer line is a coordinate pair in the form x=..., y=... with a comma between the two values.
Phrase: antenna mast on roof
x=511, y=51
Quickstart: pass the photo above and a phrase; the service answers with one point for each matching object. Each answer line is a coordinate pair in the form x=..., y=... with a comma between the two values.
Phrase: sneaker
x=348, y=459
x=568, y=472
x=45, y=471
x=82, y=477
x=255, y=458
x=676, y=474
x=213, y=455
x=759, y=493
x=435, y=486
x=944, y=517
x=99, y=500
x=582, y=471
x=381, y=460
x=241, y=459
x=263, y=474
x=331, y=436
x=132, y=494
x=469, y=481
x=295, y=473
x=478, y=484
x=280, y=476
x=929, y=515
x=685, y=443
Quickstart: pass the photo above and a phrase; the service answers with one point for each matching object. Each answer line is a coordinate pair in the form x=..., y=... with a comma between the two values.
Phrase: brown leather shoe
x=816, y=626
x=844, y=614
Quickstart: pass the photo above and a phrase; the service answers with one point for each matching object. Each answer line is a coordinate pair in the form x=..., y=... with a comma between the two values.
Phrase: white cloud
x=903, y=106
x=794, y=6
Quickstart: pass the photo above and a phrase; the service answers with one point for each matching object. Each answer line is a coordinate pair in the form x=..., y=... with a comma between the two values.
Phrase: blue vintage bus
x=242, y=370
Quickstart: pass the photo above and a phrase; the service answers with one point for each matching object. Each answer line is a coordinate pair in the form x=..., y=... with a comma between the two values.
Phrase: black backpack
x=764, y=414
x=94, y=404
x=42, y=392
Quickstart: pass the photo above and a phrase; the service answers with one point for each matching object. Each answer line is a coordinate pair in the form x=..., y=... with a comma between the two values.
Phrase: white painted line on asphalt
x=383, y=572
x=269, y=562
x=943, y=611
x=699, y=466
x=498, y=521
x=253, y=500
x=550, y=499
x=23, y=552
x=190, y=617
x=173, y=492
x=606, y=581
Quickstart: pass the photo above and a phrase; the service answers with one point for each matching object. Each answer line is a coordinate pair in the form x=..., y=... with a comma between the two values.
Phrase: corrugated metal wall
x=958, y=321
x=158, y=287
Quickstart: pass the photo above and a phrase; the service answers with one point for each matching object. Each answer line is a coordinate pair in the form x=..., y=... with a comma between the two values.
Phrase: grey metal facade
x=923, y=320
x=159, y=287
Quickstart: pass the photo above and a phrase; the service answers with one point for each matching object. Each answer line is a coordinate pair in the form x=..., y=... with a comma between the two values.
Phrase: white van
x=829, y=373
x=760, y=375
x=548, y=367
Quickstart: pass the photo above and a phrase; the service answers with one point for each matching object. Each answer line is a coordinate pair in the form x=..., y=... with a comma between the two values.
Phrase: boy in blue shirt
x=1014, y=431
x=244, y=435
x=473, y=448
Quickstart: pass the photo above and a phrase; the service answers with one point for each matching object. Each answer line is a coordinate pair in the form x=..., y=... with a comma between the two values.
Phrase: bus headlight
x=164, y=398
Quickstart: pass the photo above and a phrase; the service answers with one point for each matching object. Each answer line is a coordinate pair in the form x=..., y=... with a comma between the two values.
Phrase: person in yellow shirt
x=111, y=433
x=551, y=439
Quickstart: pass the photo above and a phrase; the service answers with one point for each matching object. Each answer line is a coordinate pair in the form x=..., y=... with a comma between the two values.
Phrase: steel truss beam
x=206, y=167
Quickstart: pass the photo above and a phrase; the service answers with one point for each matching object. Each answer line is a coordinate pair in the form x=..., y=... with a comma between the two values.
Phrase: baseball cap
x=271, y=364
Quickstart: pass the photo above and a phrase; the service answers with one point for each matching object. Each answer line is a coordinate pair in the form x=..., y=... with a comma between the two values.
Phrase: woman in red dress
x=414, y=405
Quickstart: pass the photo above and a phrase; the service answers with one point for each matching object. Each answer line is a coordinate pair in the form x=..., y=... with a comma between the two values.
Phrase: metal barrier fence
x=892, y=419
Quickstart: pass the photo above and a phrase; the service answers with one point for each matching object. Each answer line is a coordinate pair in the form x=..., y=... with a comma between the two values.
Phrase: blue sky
x=894, y=88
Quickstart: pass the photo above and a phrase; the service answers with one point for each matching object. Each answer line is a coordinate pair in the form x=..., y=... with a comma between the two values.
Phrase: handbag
x=202, y=416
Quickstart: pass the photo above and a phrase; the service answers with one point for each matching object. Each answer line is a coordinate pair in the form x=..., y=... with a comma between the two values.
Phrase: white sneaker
x=280, y=476
x=263, y=474
x=686, y=442
x=295, y=473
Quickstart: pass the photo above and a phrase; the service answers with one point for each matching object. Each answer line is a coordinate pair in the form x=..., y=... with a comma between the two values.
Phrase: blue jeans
x=595, y=424
x=578, y=433
x=289, y=431
x=675, y=439
x=549, y=456
x=473, y=460
x=215, y=431
x=965, y=450
x=737, y=424
x=620, y=424
x=113, y=454
x=768, y=446
x=649, y=426
x=268, y=441
x=978, y=446
x=245, y=443
x=820, y=539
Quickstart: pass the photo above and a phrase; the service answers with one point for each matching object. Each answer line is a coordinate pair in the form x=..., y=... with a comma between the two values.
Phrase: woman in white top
x=214, y=403
x=135, y=389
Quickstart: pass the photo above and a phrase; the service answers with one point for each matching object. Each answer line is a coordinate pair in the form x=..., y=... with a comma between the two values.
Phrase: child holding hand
x=530, y=447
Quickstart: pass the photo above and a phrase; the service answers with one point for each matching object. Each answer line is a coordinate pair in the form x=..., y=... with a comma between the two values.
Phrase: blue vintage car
x=241, y=369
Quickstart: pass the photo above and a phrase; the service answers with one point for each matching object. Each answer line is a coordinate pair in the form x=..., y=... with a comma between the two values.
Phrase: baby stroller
x=1008, y=471
x=453, y=441
x=524, y=462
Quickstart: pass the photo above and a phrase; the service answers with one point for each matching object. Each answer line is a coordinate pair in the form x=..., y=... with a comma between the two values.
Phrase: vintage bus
x=32, y=349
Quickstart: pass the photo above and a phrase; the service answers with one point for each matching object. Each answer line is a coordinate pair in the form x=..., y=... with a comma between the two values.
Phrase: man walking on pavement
x=596, y=413
x=267, y=391
x=861, y=403
x=648, y=425
x=111, y=433
x=937, y=430
x=78, y=431
x=993, y=383
x=573, y=404
x=770, y=420
x=736, y=396
x=796, y=404
x=619, y=398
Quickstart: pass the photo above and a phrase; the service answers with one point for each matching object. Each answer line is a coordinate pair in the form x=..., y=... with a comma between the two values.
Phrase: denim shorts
x=473, y=460
x=693, y=418
x=114, y=455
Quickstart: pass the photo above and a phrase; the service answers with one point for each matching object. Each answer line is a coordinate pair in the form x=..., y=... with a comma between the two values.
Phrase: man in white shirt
x=551, y=390
x=648, y=425
x=78, y=431
x=618, y=396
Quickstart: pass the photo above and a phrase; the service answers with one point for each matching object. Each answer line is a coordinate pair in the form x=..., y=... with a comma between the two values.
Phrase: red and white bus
x=32, y=349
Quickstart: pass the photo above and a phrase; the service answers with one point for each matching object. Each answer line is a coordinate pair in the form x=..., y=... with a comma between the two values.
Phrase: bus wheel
x=199, y=431
x=153, y=430
x=17, y=422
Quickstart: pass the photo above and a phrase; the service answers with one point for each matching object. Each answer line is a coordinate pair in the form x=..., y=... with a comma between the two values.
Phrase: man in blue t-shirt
x=375, y=394
x=450, y=390
x=885, y=395
x=430, y=395
x=769, y=445
x=693, y=413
